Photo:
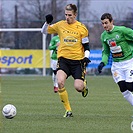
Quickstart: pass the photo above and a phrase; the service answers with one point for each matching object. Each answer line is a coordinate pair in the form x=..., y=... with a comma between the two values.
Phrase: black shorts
x=75, y=68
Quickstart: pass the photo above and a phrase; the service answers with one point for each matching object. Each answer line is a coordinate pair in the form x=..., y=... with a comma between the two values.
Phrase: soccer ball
x=9, y=111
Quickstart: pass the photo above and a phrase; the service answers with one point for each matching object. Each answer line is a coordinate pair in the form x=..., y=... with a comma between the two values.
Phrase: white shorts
x=54, y=64
x=122, y=71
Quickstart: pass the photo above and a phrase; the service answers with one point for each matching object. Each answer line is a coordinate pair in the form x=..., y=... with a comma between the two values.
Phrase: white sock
x=54, y=78
x=55, y=82
x=128, y=96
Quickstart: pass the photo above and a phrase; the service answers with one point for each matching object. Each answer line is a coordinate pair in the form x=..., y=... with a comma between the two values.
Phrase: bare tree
x=129, y=20
x=34, y=10
x=31, y=14
x=121, y=16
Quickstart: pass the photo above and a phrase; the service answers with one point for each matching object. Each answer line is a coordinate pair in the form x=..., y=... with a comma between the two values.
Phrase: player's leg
x=62, y=74
x=123, y=79
x=54, y=78
x=125, y=92
x=81, y=86
x=85, y=89
x=119, y=79
x=80, y=82
x=129, y=86
x=129, y=81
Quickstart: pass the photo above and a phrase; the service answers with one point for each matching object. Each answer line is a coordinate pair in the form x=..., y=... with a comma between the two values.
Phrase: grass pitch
x=39, y=109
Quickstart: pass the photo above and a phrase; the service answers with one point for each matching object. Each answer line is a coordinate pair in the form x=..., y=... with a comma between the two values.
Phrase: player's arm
x=85, y=43
x=85, y=40
x=105, y=53
x=44, y=28
x=52, y=46
x=105, y=56
x=128, y=33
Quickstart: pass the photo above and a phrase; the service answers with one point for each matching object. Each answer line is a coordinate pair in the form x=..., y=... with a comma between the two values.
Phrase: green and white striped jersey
x=118, y=42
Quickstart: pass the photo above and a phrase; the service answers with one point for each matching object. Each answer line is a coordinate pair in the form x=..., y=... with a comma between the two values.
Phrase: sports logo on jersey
x=115, y=50
x=77, y=26
x=70, y=41
x=112, y=43
x=115, y=74
x=117, y=36
x=131, y=72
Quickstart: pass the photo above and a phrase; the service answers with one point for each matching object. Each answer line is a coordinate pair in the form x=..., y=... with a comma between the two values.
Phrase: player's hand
x=86, y=61
x=49, y=18
x=100, y=67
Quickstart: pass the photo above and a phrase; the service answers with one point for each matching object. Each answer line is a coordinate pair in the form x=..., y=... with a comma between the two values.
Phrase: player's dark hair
x=71, y=7
x=107, y=16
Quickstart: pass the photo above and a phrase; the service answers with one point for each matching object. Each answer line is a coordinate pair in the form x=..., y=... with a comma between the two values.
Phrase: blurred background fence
x=31, y=14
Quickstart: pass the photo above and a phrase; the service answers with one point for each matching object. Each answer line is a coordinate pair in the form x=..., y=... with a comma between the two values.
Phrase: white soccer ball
x=9, y=111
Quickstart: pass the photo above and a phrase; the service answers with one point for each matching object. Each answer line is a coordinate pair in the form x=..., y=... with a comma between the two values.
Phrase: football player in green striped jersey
x=54, y=43
x=118, y=41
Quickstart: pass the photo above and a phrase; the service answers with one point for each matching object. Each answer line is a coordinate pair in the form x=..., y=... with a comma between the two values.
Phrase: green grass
x=39, y=109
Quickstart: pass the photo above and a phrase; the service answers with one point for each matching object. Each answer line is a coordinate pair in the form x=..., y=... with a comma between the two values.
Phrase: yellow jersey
x=71, y=36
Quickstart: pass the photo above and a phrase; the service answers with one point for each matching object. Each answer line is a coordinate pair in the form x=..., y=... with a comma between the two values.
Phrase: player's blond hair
x=71, y=7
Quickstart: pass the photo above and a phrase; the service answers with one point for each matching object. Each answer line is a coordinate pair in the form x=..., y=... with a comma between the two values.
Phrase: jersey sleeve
x=128, y=34
x=84, y=32
x=52, y=45
x=52, y=29
x=105, y=51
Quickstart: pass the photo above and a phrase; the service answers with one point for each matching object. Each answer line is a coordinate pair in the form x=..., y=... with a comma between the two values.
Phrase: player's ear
x=112, y=22
x=75, y=15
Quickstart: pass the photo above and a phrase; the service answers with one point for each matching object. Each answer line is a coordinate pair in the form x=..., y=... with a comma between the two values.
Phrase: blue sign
x=96, y=57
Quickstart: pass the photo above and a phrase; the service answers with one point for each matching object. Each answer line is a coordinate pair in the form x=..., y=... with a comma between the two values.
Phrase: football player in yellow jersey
x=73, y=53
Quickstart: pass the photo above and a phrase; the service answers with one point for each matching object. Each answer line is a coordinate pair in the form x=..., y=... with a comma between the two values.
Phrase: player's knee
x=125, y=86
x=60, y=84
x=129, y=86
x=54, y=71
x=78, y=87
x=122, y=86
